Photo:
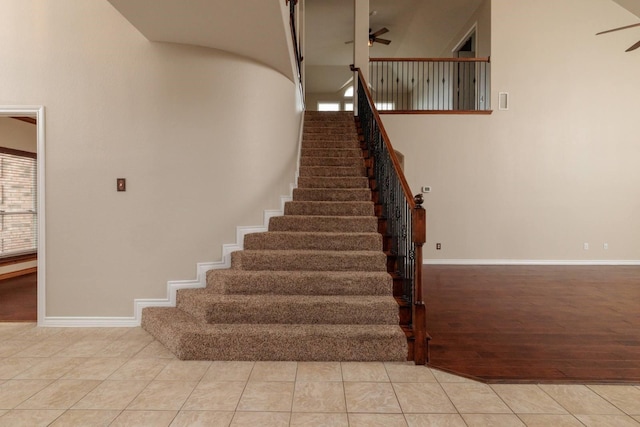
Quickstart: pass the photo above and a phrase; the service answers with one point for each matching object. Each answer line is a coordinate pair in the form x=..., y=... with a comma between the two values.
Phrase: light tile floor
x=123, y=377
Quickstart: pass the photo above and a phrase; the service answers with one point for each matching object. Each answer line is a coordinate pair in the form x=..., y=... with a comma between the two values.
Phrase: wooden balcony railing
x=404, y=85
x=401, y=223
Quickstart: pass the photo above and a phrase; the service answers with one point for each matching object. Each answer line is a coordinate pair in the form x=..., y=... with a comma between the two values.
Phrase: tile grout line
x=609, y=401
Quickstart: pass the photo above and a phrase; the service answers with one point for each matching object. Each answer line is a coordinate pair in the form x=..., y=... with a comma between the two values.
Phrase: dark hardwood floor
x=18, y=298
x=535, y=323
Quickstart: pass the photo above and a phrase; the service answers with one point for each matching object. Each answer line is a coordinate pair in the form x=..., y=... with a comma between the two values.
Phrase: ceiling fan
x=373, y=37
x=635, y=46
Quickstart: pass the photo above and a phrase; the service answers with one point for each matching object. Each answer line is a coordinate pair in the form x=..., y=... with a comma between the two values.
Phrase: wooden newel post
x=419, y=315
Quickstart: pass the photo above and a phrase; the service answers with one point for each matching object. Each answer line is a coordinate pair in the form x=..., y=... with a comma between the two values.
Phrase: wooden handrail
x=385, y=138
x=294, y=39
x=420, y=353
x=486, y=59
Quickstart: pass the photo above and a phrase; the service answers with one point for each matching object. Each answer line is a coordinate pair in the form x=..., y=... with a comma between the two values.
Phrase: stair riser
x=329, y=171
x=313, y=241
x=328, y=224
x=332, y=161
x=325, y=314
x=303, y=283
x=326, y=261
x=276, y=342
x=287, y=348
x=329, y=208
x=321, y=152
x=328, y=115
x=320, y=144
x=335, y=195
x=313, y=121
x=329, y=130
x=347, y=182
x=328, y=137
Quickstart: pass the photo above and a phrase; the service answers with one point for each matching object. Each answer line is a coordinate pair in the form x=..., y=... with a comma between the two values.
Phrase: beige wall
x=207, y=141
x=560, y=167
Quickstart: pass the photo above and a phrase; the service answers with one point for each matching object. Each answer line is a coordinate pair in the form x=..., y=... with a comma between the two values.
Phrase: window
x=18, y=218
x=328, y=106
x=385, y=106
x=348, y=106
x=348, y=93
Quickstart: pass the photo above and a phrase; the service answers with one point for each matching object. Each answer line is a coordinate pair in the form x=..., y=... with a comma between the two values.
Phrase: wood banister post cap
x=419, y=199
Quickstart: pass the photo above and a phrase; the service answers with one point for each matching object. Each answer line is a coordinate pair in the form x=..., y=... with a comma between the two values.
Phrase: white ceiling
x=417, y=28
x=232, y=26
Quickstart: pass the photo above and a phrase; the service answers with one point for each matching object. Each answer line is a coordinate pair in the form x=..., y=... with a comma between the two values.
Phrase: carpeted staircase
x=314, y=287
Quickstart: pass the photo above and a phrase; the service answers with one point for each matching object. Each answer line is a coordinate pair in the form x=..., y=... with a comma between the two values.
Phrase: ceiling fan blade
x=349, y=42
x=618, y=29
x=380, y=32
x=383, y=41
x=634, y=47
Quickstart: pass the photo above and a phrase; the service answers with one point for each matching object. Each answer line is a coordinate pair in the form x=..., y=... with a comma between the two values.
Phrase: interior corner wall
x=18, y=135
x=556, y=170
x=206, y=140
x=482, y=20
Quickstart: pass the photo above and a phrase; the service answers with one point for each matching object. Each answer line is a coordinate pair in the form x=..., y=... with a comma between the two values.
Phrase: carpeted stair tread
x=328, y=115
x=329, y=208
x=335, y=128
x=306, y=260
x=331, y=152
x=328, y=130
x=320, y=143
x=338, y=224
x=328, y=137
x=332, y=171
x=292, y=309
x=333, y=182
x=332, y=161
x=332, y=194
x=326, y=241
x=191, y=340
x=299, y=282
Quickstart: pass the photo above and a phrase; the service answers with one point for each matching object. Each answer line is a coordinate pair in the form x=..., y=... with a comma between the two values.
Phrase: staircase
x=314, y=287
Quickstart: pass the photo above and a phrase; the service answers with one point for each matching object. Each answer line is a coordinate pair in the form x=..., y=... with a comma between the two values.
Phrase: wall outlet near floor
x=438, y=246
x=585, y=246
x=605, y=246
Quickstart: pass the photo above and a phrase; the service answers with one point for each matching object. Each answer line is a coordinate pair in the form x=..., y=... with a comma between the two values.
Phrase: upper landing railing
x=436, y=85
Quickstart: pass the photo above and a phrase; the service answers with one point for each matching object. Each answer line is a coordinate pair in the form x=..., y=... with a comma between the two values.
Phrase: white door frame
x=37, y=112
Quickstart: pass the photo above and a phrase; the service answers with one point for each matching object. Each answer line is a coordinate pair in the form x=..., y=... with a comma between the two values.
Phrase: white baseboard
x=174, y=285
x=526, y=262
